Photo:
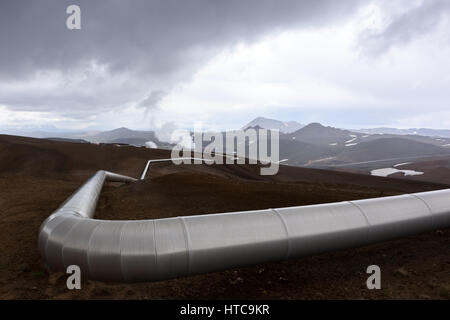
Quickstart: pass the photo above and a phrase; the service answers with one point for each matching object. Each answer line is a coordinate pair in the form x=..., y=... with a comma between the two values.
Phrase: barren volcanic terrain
x=36, y=176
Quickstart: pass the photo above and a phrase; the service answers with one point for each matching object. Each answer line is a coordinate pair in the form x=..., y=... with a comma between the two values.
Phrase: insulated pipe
x=144, y=173
x=149, y=250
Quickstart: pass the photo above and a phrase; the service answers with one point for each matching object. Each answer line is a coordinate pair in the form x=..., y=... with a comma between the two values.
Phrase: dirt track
x=37, y=175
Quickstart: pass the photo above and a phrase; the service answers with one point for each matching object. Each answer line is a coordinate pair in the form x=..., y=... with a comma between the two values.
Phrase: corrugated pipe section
x=149, y=250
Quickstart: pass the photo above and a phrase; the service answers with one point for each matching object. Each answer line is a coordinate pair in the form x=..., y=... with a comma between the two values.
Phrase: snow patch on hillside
x=384, y=172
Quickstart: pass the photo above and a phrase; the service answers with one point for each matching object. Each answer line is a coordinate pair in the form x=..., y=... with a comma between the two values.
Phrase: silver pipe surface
x=158, y=249
x=144, y=173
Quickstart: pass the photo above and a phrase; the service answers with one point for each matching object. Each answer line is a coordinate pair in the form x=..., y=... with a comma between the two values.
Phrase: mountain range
x=312, y=145
x=266, y=123
x=116, y=136
x=315, y=145
x=412, y=131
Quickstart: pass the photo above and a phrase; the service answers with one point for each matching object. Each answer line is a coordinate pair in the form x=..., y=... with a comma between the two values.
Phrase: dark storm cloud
x=144, y=36
x=145, y=45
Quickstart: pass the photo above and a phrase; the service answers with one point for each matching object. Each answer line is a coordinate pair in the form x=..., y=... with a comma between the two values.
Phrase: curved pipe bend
x=148, y=250
x=144, y=173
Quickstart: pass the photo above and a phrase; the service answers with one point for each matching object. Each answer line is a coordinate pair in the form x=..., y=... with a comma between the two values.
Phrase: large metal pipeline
x=148, y=250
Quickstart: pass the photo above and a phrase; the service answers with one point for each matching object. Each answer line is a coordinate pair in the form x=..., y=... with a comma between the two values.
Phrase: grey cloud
x=142, y=43
x=421, y=19
x=151, y=104
x=152, y=100
x=145, y=36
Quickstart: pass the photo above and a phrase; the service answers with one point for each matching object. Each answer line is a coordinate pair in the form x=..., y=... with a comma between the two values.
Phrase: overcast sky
x=221, y=63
